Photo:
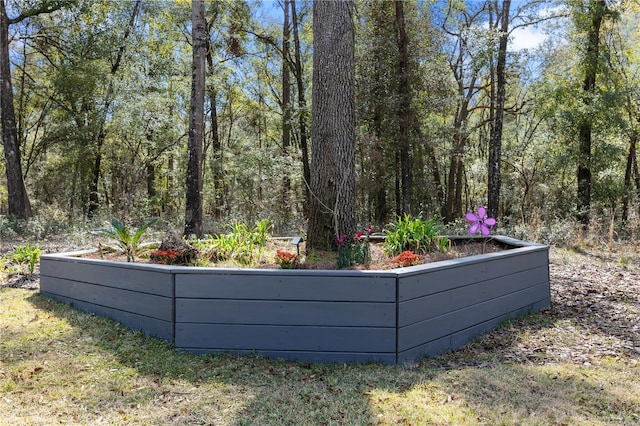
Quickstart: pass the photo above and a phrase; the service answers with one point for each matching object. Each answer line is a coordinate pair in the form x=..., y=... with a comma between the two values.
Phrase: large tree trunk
x=19, y=205
x=498, y=100
x=597, y=9
x=193, y=209
x=404, y=110
x=302, y=113
x=332, y=206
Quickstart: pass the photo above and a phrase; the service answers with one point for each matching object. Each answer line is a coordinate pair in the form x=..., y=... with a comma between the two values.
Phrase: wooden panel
x=285, y=313
x=364, y=288
x=434, y=328
x=283, y=338
x=151, y=326
x=306, y=356
x=454, y=273
x=433, y=305
x=463, y=337
x=431, y=348
x=459, y=339
x=140, y=303
x=142, y=278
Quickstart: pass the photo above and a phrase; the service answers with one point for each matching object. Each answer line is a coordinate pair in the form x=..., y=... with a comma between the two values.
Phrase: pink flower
x=480, y=221
x=358, y=236
x=341, y=240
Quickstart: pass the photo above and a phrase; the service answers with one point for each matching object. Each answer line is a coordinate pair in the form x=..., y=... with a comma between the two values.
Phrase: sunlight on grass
x=514, y=394
x=59, y=365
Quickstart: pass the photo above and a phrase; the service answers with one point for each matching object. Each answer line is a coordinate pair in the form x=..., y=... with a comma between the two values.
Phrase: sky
x=521, y=38
x=526, y=38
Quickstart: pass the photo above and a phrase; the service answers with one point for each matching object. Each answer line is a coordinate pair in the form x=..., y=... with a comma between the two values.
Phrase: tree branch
x=46, y=7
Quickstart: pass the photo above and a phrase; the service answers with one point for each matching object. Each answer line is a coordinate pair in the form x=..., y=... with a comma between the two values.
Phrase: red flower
x=287, y=260
x=341, y=240
x=164, y=257
x=407, y=258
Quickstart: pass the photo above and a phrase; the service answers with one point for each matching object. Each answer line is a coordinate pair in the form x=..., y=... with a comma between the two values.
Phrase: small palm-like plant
x=128, y=241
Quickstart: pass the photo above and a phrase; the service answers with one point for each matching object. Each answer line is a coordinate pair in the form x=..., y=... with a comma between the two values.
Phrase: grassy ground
x=576, y=363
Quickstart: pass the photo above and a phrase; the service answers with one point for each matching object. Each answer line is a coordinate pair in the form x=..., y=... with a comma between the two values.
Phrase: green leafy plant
x=26, y=255
x=361, y=253
x=353, y=252
x=415, y=234
x=129, y=242
x=261, y=232
x=243, y=244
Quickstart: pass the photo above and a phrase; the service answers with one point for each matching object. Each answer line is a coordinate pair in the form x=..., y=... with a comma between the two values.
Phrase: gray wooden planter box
x=390, y=316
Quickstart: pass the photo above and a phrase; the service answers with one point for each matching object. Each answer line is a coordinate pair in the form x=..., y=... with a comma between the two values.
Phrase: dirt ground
x=595, y=312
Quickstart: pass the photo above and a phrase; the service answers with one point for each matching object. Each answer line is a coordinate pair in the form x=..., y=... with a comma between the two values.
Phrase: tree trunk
x=404, y=110
x=597, y=9
x=19, y=205
x=302, y=113
x=94, y=196
x=498, y=100
x=453, y=196
x=193, y=208
x=378, y=190
x=332, y=207
x=216, y=147
x=286, y=112
x=631, y=160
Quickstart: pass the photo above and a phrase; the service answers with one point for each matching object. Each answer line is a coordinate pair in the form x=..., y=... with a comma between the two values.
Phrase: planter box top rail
x=513, y=247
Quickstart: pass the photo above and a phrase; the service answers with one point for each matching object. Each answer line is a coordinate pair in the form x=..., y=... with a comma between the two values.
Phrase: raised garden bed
x=391, y=316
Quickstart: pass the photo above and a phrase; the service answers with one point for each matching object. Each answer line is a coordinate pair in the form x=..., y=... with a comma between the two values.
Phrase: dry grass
x=574, y=364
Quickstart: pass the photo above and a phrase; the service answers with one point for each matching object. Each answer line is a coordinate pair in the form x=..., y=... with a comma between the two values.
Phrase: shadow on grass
x=476, y=385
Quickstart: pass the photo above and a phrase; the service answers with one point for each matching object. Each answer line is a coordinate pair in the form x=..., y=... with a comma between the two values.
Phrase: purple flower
x=341, y=240
x=480, y=221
